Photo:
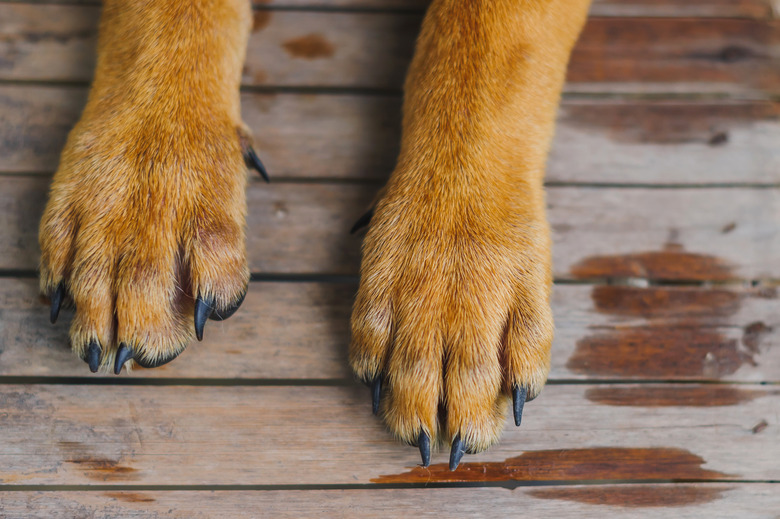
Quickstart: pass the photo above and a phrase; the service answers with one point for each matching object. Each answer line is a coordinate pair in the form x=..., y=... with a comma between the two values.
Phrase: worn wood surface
x=662, y=94
x=173, y=435
x=651, y=501
x=679, y=234
x=287, y=331
x=358, y=50
x=356, y=137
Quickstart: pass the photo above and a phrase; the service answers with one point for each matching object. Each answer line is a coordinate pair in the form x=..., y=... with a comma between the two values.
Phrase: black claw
x=56, y=302
x=376, y=393
x=224, y=314
x=362, y=221
x=424, y=442
x=157, y=362
x=123, y=354
x=93, y=356
x=518, y=400
x=457, y=452
x=203, y=309
x=254, y=161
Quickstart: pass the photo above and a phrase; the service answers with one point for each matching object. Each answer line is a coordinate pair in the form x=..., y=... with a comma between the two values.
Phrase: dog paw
x=452, y=319
x=144, y=233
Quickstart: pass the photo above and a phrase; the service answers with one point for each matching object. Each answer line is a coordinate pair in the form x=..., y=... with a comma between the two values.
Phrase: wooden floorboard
x=356, y=50
x=664, y=205
x=174, y=435
x=650, y=501
x=355, y=137
x=288, y=331
x=715, y=234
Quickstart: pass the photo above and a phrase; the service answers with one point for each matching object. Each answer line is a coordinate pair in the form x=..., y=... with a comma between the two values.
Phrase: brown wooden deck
x=664, y=396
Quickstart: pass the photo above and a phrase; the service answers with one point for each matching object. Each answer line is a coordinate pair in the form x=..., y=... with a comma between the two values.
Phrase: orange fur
x=147, y=208
x=453, y=306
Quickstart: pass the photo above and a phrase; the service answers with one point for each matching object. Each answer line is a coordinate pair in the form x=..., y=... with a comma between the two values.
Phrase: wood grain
x=371, y=51
x=653, y=501
x=668, y=234
x=356, y=137
x=289, y=331
x=141, y=435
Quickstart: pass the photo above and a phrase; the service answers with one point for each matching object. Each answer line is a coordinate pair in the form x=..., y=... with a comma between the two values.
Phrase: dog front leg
x=144, y=227
x=452, y=316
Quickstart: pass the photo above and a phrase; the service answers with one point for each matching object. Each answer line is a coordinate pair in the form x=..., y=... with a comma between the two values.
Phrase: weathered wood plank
x=301, y=331
x=346, y=136
x=651, y=501
x=728, y=233
x=372, y=50
x=671, y=8
x=143, y=435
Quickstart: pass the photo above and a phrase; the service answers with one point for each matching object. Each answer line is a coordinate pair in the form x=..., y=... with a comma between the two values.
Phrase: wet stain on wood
x=102, y=469
x=753, y=334
x=659, y=352
x=312, y=46
x=683, y=332
x=130, y=497
x=676, y=302
x=668, y=265
x=634, y=496
x=669, y=123
x=725, y=50
x=678, y=396
x=260, y=20
x=609, y=463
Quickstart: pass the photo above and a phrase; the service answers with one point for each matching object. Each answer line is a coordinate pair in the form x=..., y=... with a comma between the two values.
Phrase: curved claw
x=376, y=394
x=224, y=314
x=519, y=395
x=362, y=221
x=56, y=302
x=424, y=442
x=457, y=452
x=123, y=354
x=93, y=356
x=203, y=309
x=156, y=363
x=254, y=161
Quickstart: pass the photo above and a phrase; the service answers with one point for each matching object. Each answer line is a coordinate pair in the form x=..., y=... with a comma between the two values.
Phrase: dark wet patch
x=659, y=352
x=684, y=332
x=676, y=396
x=607, y=463
x=103, y=469
x=667, y=123
x=130, y=497
x=634, y=496
x=753, y=334
x=312, y=46
x=260, y=20
x=674, y=302
x=670, y=265
x=719, y=139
